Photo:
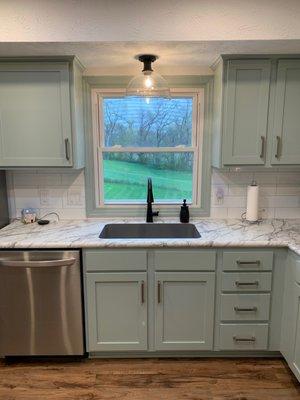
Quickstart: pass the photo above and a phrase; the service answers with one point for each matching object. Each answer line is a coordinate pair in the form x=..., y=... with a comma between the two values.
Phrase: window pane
x=140, y=122
x=126, y=174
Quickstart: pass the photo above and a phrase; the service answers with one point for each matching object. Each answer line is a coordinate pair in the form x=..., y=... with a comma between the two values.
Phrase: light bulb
x=148, y=82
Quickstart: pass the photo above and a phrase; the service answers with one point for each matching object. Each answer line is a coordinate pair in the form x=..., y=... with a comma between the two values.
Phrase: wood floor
x=149, y=379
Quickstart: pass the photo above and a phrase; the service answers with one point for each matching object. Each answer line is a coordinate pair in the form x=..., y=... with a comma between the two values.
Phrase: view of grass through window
x=152, y=124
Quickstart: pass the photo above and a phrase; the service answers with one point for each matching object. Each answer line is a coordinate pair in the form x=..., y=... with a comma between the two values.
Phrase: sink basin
x=149, y=231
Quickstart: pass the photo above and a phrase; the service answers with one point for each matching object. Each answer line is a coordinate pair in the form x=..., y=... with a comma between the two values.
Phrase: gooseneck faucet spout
x=150, y=200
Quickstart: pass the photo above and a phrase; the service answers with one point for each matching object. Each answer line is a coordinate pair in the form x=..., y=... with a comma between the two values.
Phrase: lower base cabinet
x=117, y=311
x=290, y=343
x=184, y=310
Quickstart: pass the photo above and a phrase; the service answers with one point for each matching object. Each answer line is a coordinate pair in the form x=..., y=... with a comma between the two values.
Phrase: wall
x=98, y=20
x=64, y=193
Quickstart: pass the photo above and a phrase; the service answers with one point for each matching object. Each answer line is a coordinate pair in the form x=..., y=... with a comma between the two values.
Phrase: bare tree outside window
x=143, y=138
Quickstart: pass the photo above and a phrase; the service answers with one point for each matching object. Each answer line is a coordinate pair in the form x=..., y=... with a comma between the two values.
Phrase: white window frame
x=98, y=147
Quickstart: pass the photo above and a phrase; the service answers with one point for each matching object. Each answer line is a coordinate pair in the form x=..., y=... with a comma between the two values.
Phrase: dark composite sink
x=149, y=231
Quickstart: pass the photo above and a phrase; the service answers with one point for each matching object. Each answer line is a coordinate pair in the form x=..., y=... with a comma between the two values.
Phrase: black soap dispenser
x=184, y=212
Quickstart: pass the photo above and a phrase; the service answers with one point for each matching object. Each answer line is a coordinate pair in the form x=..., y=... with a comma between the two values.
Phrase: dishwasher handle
x=33, y=264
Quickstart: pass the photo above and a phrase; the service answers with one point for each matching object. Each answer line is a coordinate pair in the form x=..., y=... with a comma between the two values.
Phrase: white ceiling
x=174, y=57
x=188, y=35
x=148, y=20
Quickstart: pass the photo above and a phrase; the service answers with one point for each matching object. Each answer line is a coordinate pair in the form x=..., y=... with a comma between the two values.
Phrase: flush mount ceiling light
x=148, y=83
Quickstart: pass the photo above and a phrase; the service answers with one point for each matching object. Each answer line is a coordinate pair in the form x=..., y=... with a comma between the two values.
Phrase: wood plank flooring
x=149, y=379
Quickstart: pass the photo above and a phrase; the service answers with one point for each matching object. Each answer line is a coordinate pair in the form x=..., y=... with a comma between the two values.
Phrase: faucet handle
x=155, y=213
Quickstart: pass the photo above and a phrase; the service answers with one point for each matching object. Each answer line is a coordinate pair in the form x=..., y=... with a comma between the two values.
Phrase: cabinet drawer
x=244, y=337
x=248, y=260
x=118, y=260
x=245, y=307
x=185, y=260
x=246, y=281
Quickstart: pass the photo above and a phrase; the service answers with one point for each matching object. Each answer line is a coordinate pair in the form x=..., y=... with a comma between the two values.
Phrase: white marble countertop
x=214, y=233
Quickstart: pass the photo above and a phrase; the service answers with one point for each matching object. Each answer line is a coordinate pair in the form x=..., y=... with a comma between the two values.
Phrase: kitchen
x=150, y=200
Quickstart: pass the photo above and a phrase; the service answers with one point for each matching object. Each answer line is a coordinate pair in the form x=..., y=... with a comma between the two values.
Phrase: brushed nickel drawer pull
x=255, y=283
x=256, y=262
x=241, y=309
x=143, y=292
x=263, y=142
x=158, y=291
x=244, y=339
x=67, y=149
x=278, y=148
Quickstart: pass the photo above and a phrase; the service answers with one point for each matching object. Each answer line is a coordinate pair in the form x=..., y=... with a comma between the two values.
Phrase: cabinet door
x=184, y=310
x=117, y=311
x=246, y=112
x=286, y=129
x=35, y=120
x=295, y=361
x=287, y=312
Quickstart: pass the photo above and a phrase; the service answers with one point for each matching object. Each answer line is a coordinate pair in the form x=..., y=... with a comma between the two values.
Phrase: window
x=136, y=138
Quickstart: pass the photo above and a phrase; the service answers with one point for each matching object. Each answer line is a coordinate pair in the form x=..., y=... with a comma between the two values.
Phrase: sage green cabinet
x=184, y=310
x=41, y=122
x=290, y=335
x=117, y=311
x=256, y=115
x=286, y=129
x=246, y=111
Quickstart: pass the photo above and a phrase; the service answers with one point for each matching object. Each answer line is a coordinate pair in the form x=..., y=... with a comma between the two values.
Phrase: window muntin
x=124, y=162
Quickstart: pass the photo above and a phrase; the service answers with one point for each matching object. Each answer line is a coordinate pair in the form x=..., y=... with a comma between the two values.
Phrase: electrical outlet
x=75, y=198
x=220, y=195
x=44, y=197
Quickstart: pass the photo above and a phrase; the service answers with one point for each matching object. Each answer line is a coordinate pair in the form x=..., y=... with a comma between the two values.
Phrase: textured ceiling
x=110, y=20
x=174, y=57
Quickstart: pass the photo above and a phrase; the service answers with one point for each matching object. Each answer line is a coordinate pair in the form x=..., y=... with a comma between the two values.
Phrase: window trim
x=182, y=84
x=195, y=148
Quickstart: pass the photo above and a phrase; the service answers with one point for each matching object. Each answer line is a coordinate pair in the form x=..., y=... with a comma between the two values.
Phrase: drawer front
x=245, y=307
x=244, y=337
x=247, y=260
x=246, y=281
x=118, y=260
x=193, y=260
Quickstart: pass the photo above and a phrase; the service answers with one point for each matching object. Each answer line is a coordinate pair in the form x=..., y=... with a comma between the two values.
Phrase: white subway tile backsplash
x=48, y=191
x=64, y=192
x=287, y=212
x=73, y=179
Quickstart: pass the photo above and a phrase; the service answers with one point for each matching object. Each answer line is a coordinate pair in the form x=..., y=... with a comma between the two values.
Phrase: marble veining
x=214, y=233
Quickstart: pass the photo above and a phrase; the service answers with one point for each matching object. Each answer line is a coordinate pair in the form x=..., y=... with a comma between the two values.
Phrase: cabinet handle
x=263, y=145
x=143, y=292
x=244, y=339
x=158, y=292
x=237, y=283
x=67, y=149
x=278, y=148
x=256, y=262
x=240, y=309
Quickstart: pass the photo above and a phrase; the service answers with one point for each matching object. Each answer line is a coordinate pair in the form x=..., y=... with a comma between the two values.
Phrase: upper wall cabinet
x=256, y=115
x=41, y=123
x=246, y=111
x=286, y=129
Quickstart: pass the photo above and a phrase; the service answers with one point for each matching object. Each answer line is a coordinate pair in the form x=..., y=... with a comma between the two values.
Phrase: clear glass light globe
x=148, y=84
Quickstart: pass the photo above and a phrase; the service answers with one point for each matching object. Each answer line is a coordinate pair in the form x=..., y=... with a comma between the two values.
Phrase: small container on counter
x=184, y=212
x=28, y=215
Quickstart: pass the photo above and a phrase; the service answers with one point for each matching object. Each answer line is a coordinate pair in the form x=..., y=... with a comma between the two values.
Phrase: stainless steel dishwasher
x=40, y=303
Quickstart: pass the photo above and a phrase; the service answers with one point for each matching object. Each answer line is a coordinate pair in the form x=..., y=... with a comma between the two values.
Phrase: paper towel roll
x=252, y=202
